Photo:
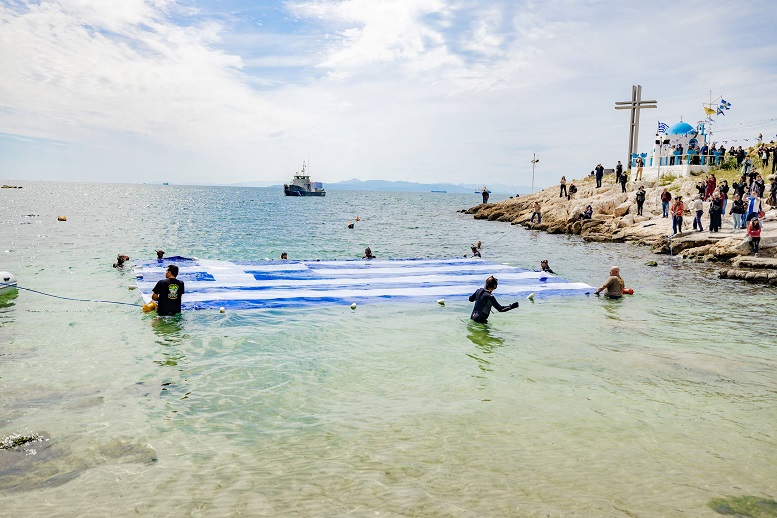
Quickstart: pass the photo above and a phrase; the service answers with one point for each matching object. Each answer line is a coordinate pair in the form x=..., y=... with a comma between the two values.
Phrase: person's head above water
x=368, y=253
x=284, y=256
x=160, y=254
x=491, y=283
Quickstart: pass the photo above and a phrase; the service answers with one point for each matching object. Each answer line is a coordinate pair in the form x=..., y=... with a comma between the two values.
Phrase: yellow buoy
x=148, y=308
x=61, y=218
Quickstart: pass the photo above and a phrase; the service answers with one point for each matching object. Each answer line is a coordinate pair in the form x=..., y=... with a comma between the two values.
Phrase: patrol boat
x=302, y=186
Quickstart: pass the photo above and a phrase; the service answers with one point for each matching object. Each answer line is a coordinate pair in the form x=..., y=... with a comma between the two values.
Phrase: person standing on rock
x=710, y=188
x=716, y=209
x=485, y=194
x=754, y=231
x=640, y=165
x=747, y=166
x=537, y=212
x=753, y=206
x=624, y=179
x=618, y=172
x=563, y=187
x=572, y=191
x=599, y=172
x=723, y=188
x=613, y=285
x=666, y=197
x=738, y=212
x=697, y=207
x=677, y=210
x=640, y=199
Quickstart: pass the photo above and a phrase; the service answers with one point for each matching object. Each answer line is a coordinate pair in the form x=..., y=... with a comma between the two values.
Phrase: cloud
x=420, y=90
x=82, y=69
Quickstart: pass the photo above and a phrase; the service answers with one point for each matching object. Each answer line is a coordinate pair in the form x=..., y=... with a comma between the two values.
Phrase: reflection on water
x=486, y=343
x=169, y=330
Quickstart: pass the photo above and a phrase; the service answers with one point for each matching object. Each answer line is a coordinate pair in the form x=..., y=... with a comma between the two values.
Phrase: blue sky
x=418, y=90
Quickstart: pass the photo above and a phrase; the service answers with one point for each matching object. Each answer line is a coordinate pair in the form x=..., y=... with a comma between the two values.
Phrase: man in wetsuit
x=168, y=292
x=614, y=285
x=484, y=301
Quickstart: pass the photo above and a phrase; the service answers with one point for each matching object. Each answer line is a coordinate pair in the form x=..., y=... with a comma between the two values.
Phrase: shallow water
x=653, y=405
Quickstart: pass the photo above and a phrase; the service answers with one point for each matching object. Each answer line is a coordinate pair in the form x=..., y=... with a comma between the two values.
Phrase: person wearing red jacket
x=754, y=231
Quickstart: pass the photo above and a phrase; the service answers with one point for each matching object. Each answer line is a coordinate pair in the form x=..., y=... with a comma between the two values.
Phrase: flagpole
x=534, y=160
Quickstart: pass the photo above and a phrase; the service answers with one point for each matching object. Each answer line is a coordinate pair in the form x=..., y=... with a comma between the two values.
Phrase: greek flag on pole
x=662, y=127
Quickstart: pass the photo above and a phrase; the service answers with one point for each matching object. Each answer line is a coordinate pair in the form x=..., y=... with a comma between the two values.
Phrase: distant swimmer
x=475, y=252
x=350, y=224
x=613, y=285
x=545, y=266
x=484, y=300
x=120, y=260
x=478, y=245
x=284, y=256
x=160, y=254
x=368, y=254
x=168, y=292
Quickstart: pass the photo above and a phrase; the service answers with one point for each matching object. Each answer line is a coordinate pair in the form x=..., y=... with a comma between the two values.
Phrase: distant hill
x=384, y=185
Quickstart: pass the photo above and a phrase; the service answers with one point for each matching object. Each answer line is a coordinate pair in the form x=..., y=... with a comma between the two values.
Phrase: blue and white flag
x=662, y=127
x=725, y=105
x=212, y=284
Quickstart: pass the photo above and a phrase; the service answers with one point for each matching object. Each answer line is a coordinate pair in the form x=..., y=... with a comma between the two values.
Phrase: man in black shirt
x=168, y=292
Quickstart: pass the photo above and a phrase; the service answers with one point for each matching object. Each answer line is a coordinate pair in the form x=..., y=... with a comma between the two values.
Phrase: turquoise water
x=573, y=406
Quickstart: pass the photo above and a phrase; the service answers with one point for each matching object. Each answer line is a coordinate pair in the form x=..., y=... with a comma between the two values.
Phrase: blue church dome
x=682, y=128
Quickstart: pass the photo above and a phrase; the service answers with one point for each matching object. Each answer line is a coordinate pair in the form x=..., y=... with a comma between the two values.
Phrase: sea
x=662, y=403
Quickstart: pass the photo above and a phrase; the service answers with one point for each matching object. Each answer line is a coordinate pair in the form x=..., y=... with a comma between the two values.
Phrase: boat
x=444, y=192
x=302, y=186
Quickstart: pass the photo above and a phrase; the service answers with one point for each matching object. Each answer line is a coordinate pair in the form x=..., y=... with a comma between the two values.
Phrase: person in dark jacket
x=484, y=300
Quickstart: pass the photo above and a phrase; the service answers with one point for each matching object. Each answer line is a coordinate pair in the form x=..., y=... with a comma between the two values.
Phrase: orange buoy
x=628, y=291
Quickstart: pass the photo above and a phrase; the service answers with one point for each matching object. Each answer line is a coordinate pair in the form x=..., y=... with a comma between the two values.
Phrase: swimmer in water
x=284, y=256
x=475, y=252
x=160, y=254
x=545, y=266
x=120, y=260
x=484, y=300
x=368, y=254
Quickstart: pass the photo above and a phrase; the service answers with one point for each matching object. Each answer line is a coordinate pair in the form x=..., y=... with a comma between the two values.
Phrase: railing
x=689, y=157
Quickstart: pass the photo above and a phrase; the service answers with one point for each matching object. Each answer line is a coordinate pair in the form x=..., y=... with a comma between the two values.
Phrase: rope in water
x=2, y=284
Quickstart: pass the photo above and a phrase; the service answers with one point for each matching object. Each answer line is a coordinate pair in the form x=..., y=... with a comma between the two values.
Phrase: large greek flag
x=211, y=284
x=662, y=127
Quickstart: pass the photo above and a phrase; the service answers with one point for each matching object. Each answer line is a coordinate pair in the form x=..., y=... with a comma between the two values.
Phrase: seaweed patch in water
x=20, y=442
x=747, y=506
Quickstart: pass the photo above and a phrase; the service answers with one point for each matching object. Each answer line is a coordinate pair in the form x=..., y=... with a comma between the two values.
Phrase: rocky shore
x=615, y=219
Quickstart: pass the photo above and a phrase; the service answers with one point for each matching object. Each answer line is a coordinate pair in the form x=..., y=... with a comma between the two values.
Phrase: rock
x=651, y=263
x=622, y=209
x=614, y=220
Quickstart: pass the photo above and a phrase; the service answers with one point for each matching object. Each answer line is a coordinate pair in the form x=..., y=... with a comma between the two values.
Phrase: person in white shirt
x=698, y=206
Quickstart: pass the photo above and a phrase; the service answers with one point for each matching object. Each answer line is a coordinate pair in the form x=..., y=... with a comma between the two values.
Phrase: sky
x=460, y=91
